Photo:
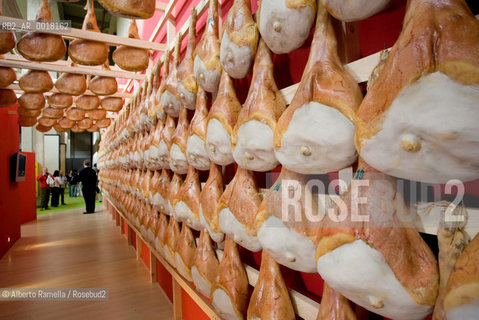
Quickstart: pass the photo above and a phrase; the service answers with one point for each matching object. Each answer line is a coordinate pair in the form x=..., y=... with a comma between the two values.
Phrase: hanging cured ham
x=103, y=86
x=87, y=102
x=316, y=133
x=42, y=128
x=289, y=236
x=173, y=187
x=209, y=199
x=334, y=306
x=152, y=154
x=207, y=55
x=46, y=122
x=398, y=272
x=159, y=190
x=159, y=110
x=230, y=292
x=285, y=24
x=60, y=100
x=103, y=123
x=187, y=86
x=130, y=58
x=97, y=114
x=270, y=298
x=88, y=52
x=196, y=144
x=26, y=121
x=252, y=138
x=7, y=75
x=160, y=234
x=8, y=98
x=462, y=295
x=185, y=252
x=93, y=128
x=130, y=8
x=221, y=121
x=237, y=209
x=85, y=123
x=53, y=113
x=66, y=123
x=187, y=200
x=178, y=162
x=172, y=236
x=71, y=83
x=169, y=98
x=74, y=114
x=113, y=104
x=36, y=81
x=405, y=126
x=239, y=41
x=205, y=265
x=7, y=39
x=31, y=100
x=38, y=46
x=346, y=10
x=29, y=113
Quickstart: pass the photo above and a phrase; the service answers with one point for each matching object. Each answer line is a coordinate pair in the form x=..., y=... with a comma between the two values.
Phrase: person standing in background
x=44, y=189
x=74, y=184
x=56, y=188
x=88, y=179
x=69, y=180
x=62, y=187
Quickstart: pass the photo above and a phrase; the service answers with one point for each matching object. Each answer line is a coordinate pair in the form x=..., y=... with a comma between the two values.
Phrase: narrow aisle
x=73, y=250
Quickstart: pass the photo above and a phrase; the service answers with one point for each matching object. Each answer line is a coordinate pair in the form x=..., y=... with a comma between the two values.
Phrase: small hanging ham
x=8, y=98
x=131, y=58
x=97, y=114
x=24, y=121
x=178, y=162
x=187, y=86
x=160, y=234
x=173, y=187
x=60, y=100
x=406, y=127
x=30, y=100
x=38, y=46
x=207, y=55
x=285, y=24
x=221, y=121
x=270, y=298
x=196, y=145
x=66, y=123
x=205, y=265
x=88, y=52
x=29, y=113
x=103, y=86
x=158, y=109
x=59, y=128
x=187, y=201
x=230, y=292
x=398, y=272
x=133, y=9
x=85, y=123
x=93, y=128
x=103, y=123
x=7, y=75
x=209, y=199
x=153, y=150
x=159, y=190
x=7, y=39
x=74, y=114
x=355, y=10
x=87, y=102
x=71, y=83
x=316, y=133
x=36, y=81
x=113, y=104
x=172, y=236
x=289, y=235
x=237, y=209
x=53, y=113
x=44, y=129
x=169, y=98
x=334, y=306
x=239, y=41
x=185, y=252
x=46, y=122
x=252, y=138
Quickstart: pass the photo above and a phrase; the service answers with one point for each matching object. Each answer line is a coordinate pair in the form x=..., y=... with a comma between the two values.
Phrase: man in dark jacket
x=88, y=179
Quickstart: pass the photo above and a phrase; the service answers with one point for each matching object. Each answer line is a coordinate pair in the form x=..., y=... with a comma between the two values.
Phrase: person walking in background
x=88, y=180
x=62, y=187
x=69, y=180
x=74, y=184
x=44, y=189
x=56, y=188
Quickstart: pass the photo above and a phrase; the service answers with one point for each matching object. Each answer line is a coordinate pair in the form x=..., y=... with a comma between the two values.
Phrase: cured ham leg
x=71, y=83
x=237, y=209
x=205, y=265
x=87, y=102
x=187, y=86
x=354, y=10
x=103, y=86
x=169, y=99
x=187, y=200
x=289, y=235
x=38, y=46
x=239, y=41
x=165, y=142
x=178, y=162
x=270, y=298
x=209, y=199
x=29, y=100
x=196, y=144
x=406, y=127
x=207, y=55
x=185, y=252
x=221, y=121
x=130, y=58
x=22, y=120
x=316, y=132
x=397, y=277
x=230, y=292
x=7, y=75
x=252, y=137
x=334, y=306
x=174, y=186
x=36, y=81
x=88, y=52
x=160, y=234
x=113, y=104
x=285, y=24
x=462, y=292
x=7, y=38
x=172, y=236
x=158, y=109
x=154, y=149
x=130, y=8
x=60, y=100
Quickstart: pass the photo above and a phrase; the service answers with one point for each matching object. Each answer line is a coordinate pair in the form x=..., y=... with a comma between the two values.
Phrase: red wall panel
x=190, y=309
x=28, y=210
x=165, y=280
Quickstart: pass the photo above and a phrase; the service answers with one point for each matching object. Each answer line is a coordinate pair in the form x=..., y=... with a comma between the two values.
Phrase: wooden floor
x=71, y=250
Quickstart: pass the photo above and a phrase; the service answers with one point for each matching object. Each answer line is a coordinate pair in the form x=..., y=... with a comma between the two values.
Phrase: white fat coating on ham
x=158, y=246
x=196, y=153
x=217, y=237
x=347, y=10
x=465, y=312
x=294, y=25
x=187, y=98
x=287, y=246
x=319, y=139
x=218, y=143
x=150, y=236
x=159, y=203
x=164, y=155
x=181, y=267
x=171, y=210
x=254, y=148
x=154, y=157
x=184, y=214
x=211, y=78
x=178, y=161
x=361, y=274
x=222, y=303
x=237, y=232
x=169, y=256
x=202, y=284
x=236, y=61
x=146, y=121
x=170, y=104
x=437, y=118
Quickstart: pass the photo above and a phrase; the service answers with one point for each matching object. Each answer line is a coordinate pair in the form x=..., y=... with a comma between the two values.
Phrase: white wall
x=51, y=152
